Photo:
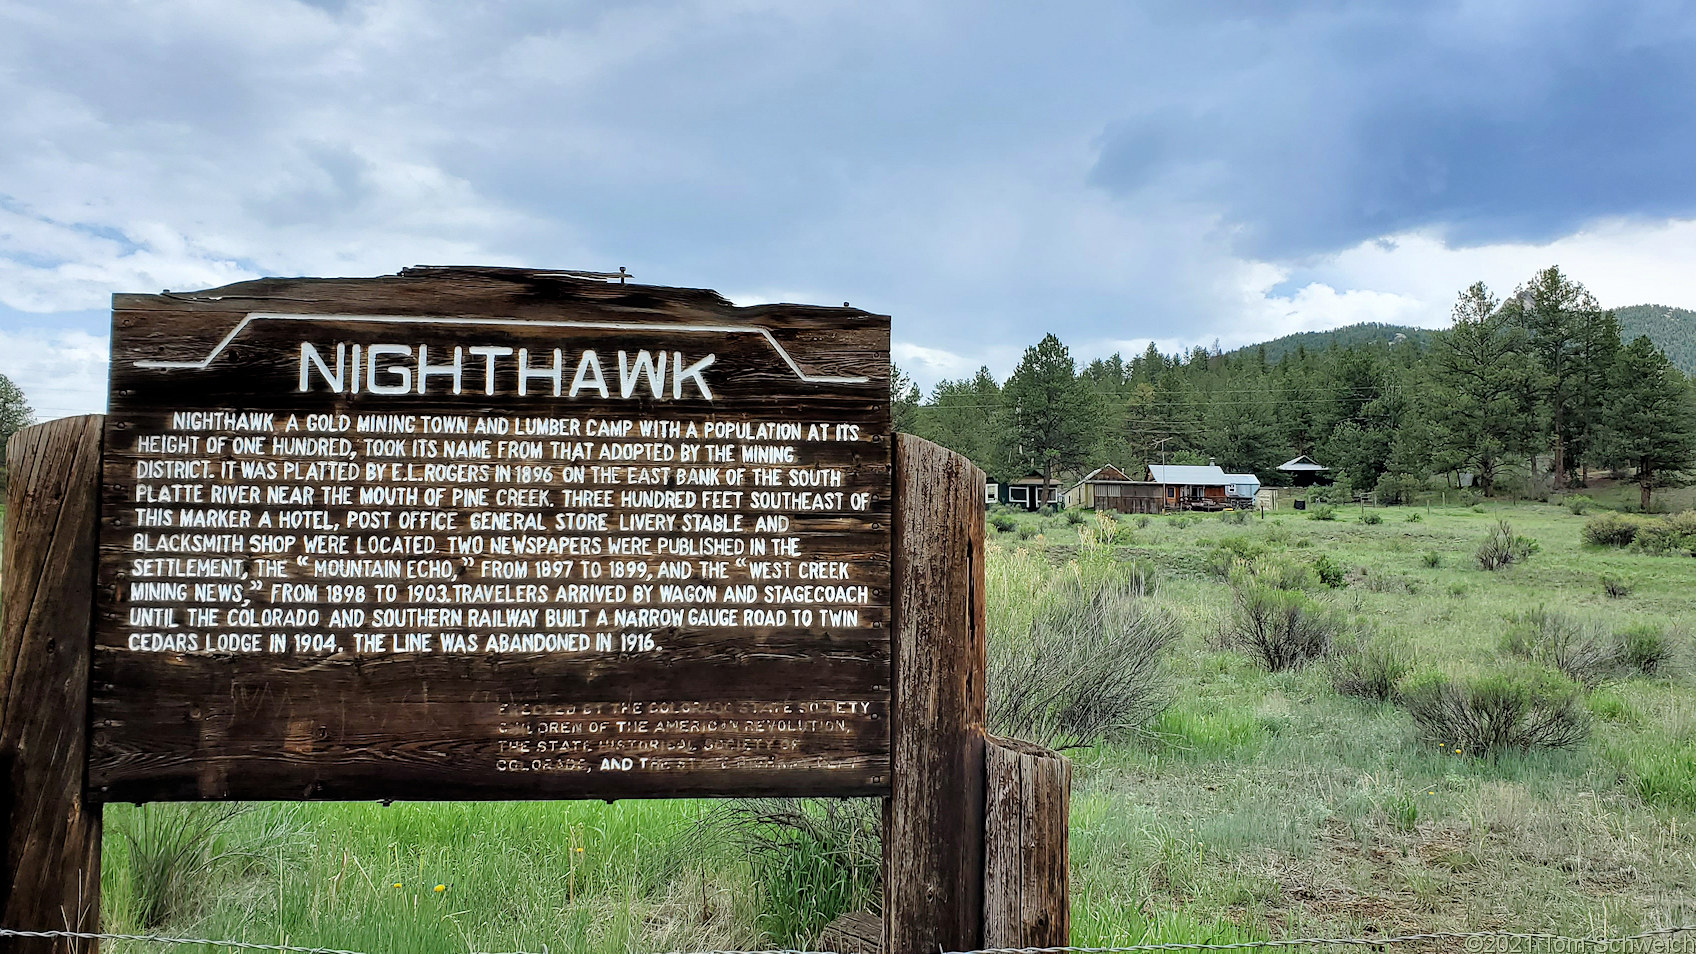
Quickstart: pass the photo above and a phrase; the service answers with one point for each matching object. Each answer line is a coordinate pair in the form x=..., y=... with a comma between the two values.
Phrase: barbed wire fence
x=1556, y=942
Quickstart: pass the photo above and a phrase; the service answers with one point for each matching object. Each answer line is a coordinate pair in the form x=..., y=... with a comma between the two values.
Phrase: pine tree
x=1053, y=416
x=1650, y=418
x=1478, y=403
x=1554, y=310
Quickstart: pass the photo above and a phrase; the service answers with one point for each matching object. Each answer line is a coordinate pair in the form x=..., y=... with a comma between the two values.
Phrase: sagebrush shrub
x=1502, y=712
x=1372, y=669
x=1565, y=642
x=1003, y=522
x=1504, y=548
x=1432, y=559
x=1645, y=648
x=1234, y=517
x=1579, y=504
x=1610, y=530
x=1371, y=519
x=1284, y=574
x=1616, y=588
x=1322, y=512
x=1087, y=669
x=1074, y=516
x=1280, y=629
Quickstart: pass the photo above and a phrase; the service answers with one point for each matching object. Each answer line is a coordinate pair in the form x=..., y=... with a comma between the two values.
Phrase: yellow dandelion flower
x=579, y=850
x=397, y=884
x=440, y=888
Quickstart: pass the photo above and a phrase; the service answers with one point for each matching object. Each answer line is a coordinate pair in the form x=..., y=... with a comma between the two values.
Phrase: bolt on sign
x=491, y=533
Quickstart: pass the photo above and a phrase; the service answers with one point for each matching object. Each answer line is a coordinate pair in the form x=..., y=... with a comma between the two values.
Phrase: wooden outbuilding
x=1107, y=488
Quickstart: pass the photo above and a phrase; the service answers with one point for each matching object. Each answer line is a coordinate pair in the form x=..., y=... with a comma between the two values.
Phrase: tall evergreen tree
x=1597, y=345
x=1478, y=403
x=1053, y=416
x=1554, y=310
x=1650, y=418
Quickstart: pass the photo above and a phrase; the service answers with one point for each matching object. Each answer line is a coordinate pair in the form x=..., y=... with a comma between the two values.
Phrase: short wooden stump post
x=1028, y=798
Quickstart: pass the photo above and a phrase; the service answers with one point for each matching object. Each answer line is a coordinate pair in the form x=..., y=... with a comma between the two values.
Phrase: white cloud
x=61, y=374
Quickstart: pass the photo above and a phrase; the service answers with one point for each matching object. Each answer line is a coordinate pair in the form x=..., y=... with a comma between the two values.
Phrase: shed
x=1107, y=488
x=1304, y=471
x=1242, y=487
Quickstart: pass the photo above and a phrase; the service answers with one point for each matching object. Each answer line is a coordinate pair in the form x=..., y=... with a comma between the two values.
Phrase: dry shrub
x=1088, y=668
x=1578, y=649
x=1280, y=629
x=1372, y=669
x=1504, y=548
x=1501, y=712
x=1646, y=649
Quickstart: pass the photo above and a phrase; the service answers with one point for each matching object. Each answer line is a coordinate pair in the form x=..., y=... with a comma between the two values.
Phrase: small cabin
x=1107, y=488
x=1033, y=492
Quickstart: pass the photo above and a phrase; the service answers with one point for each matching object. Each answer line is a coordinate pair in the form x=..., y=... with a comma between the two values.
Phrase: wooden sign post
x=467, y=533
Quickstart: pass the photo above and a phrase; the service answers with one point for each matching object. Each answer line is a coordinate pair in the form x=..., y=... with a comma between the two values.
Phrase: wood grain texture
x=51, y=878
x=857, y=932
x=216, y=719
x=1025, y=857
x=933, y=833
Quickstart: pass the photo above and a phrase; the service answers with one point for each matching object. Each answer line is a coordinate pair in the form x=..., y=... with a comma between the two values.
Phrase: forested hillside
x=1348, y=336
x=1538, y=390
x=1673, y=330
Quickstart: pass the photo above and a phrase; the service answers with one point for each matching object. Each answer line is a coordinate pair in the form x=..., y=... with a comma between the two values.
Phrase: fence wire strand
x=1598, y=942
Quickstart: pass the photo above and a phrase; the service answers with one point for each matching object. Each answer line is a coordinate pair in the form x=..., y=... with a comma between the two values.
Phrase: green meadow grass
x=1256, y=806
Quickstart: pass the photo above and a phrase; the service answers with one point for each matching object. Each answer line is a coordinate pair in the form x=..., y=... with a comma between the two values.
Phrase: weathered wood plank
x=933, y=833
x=857, y=932
x=51, y=877
x=358, y=532
x=1025, y=856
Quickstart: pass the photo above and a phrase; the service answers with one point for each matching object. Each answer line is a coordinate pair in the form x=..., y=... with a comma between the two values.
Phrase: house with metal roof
x=1190, y=486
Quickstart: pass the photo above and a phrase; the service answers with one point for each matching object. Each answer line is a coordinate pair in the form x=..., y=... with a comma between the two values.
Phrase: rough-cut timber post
x=1028, y=803
x=51, y=878
x=933, y=828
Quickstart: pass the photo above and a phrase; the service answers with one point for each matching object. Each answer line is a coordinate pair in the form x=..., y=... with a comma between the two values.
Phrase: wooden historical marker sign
x=491, y=533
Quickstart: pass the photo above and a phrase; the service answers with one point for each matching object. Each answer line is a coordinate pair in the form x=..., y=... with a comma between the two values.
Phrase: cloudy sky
x=1115, y=172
